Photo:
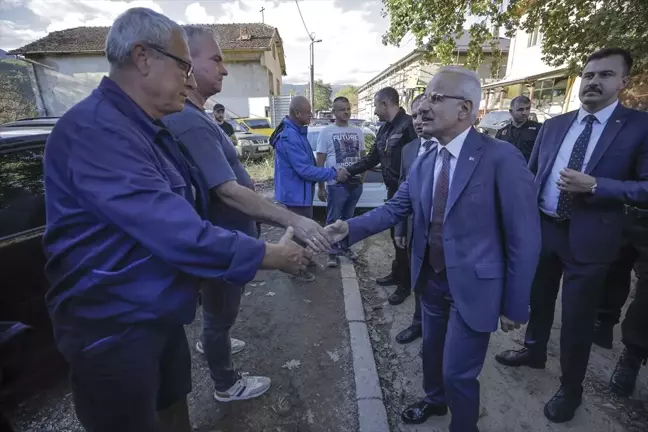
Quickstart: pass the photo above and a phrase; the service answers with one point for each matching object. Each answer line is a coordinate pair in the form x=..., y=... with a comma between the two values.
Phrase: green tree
x=571, y=29
x=350, y=92
x=323, y=94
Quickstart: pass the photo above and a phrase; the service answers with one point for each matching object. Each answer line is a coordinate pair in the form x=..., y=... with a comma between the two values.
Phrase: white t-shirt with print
x=342, y=146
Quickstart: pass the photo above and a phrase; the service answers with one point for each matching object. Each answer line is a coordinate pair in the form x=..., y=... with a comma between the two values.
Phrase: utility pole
x=262, y=15
x=312, y=70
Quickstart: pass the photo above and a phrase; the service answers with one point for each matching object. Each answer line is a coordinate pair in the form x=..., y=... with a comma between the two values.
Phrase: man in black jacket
x=390, y=140
x=521, y=132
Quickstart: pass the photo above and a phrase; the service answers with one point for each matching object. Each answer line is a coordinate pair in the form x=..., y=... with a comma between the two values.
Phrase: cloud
x=197, y=14
x=14, y=36
x=350, y=32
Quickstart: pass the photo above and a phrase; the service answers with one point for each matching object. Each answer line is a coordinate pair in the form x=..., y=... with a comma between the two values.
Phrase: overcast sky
x=350, y=51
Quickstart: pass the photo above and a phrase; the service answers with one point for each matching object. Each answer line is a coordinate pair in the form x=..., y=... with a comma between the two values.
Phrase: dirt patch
x=512, y=399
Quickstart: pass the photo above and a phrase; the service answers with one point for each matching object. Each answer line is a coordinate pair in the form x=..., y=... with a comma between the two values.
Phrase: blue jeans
x=220, y=307
x=341, y=202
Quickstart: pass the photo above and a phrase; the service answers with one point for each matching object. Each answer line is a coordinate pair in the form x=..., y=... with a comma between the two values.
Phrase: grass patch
x=261, y=170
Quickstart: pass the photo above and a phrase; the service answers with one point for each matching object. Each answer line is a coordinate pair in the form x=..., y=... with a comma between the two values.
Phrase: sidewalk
x=512, y=399
x=296, y=334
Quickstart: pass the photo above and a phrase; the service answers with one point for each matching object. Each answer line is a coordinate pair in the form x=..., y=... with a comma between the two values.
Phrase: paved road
x=296, y=334
x=512, y=399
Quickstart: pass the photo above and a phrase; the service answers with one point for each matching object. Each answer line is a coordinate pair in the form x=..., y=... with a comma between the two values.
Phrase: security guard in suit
x=521, y=132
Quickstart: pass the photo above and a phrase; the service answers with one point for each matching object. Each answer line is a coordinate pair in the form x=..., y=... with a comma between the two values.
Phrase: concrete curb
x=372, y=415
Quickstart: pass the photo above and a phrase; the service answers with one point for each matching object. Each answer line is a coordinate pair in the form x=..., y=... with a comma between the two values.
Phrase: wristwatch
x=593, y=188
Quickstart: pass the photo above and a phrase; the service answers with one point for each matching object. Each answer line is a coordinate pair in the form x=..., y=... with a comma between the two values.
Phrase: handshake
x=342, y=175
x=289, y=257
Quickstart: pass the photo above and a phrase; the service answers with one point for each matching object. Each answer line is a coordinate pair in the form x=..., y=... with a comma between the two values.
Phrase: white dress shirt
x=550, y=192
x=454, y=147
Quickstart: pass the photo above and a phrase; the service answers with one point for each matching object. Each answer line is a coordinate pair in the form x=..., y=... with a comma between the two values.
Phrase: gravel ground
x=512, y=399
x=295, y=333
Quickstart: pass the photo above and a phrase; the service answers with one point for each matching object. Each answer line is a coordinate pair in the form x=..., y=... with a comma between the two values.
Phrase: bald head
x=300, y=110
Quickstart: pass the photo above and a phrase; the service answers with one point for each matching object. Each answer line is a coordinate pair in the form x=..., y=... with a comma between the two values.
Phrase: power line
x=303, y=22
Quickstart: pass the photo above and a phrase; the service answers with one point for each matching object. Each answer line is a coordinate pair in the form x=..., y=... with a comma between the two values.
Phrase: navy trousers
x=453, y=355
x=582, y=288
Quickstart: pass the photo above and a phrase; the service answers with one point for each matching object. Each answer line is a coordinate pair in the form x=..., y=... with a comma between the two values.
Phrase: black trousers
x=581, y=291
x=633, y=254
x=400, y=264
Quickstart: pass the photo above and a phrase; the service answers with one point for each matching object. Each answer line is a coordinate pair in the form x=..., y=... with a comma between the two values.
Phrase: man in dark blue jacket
x=296, y=170
x=126, y=248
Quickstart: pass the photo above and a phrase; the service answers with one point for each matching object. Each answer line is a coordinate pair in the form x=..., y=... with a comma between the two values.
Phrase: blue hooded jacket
x=295, y=168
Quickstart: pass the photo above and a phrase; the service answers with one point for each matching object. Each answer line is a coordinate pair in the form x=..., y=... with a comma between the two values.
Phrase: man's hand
x=321, y=193
x=286, y=255
x=508, y=325
x=342, y=175
x=575, y=181
x=337, y=231
x=311, y=233
x=400, y=242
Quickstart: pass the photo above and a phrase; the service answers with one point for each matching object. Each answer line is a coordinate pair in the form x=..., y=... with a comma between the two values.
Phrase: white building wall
x=74, y=77
x=525, y=60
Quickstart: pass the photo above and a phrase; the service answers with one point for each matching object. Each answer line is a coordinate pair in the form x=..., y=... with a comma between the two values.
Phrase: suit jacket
x=491, y=231
x=619, y=163
x=410, y=152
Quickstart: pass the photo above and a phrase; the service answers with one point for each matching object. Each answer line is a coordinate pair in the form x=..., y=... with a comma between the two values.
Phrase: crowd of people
x=148, y=205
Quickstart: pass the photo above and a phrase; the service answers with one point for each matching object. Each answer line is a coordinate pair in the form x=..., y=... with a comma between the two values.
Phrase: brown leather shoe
x=522, y=357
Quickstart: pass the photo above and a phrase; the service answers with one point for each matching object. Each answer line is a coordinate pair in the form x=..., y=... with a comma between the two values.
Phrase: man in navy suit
x=403, y=231
x=470, y=271
x=588, y=164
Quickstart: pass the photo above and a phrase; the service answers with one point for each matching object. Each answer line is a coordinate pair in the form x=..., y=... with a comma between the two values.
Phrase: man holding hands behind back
x=470, y=271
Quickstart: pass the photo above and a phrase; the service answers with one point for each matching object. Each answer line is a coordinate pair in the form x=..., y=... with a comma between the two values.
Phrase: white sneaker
x=237, y=346
x=247, y=387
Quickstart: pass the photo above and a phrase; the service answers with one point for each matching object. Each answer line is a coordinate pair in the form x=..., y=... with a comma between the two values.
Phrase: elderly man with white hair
x=476, y=242
x=126, y=240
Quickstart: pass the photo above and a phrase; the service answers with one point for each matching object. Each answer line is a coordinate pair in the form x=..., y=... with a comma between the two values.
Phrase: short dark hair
x=609, y=52
x=417, y=99
x=520, y=99
x=388, y=94
x=341, y=99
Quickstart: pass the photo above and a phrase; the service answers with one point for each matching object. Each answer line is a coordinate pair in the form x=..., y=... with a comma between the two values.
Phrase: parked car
x=252, y=146
x=497, y=119
x=374, y=193
x=28, y=352
x=257, y=125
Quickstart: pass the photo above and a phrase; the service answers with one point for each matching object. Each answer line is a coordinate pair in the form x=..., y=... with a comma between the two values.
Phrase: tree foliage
x=350, y=92
x=571, y=29
x=15, y=103
x=323, y=93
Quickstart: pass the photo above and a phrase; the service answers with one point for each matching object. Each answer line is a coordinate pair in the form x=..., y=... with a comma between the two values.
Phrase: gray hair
x=138, y=25
x=195, y=33
x=470, y=87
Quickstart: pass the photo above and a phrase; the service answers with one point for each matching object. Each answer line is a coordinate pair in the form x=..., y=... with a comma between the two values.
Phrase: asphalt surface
x=296, y=334
x=512, y=399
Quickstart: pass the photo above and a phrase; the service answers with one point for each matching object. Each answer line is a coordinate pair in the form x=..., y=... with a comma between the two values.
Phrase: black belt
x=554, y=220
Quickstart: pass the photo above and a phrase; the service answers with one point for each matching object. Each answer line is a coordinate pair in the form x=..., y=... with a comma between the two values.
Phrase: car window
x=497, y=117
x=237, y=126
x=22, y=203
x=258, y=123
x=312, y=139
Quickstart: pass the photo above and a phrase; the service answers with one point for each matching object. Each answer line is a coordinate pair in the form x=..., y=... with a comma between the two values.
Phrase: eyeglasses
x=186, y=66
x=436, y=98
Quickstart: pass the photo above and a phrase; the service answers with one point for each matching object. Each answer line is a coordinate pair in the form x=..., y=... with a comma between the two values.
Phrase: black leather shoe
x=521, y=357
x=420, y=411
x=410, y=334
x=388, y=280
x=399, y=295
x=562, y=407
x=625, y=373
x=603, y=334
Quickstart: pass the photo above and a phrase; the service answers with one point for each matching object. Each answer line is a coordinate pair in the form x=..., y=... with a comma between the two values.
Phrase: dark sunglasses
x=187, y=67
x=439, y=98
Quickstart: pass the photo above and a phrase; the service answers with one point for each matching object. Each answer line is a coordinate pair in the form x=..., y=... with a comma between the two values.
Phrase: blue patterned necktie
x=566, y=199
x=427, y=144
x=436, y=257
